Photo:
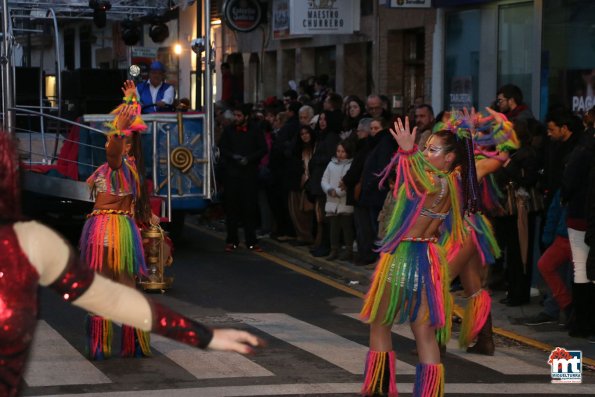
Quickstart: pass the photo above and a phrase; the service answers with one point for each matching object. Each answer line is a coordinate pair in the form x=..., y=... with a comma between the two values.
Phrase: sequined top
x=123, y=181
x=18, y=310
x=71, y=279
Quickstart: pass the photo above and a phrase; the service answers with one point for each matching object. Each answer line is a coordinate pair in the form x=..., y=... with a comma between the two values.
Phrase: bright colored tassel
x=99, y=337
x=380, y=374
x=476, y=313
x=135, y=342
x=429, y=380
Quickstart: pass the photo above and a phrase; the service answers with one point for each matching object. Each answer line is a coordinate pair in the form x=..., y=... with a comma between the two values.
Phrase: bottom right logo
x=566, y=365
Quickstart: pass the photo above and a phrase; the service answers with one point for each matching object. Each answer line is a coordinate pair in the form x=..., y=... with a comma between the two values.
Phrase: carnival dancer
x=111, y=243
x=31, y=254
x=411, y=278
x=494, y=138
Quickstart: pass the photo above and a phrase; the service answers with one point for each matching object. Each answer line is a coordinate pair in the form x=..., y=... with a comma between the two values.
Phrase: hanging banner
x=280, y=19
x=324, y=16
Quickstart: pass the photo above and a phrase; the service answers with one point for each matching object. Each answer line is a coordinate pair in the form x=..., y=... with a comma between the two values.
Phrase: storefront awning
x=454, y=3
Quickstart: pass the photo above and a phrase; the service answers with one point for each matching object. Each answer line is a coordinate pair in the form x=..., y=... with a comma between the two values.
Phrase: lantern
x=157, y=257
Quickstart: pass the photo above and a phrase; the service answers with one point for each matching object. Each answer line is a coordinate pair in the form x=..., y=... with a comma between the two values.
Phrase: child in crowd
x=339, y=213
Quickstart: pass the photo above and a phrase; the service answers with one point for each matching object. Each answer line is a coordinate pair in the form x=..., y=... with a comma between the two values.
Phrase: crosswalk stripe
x=207, y=365
x=499, y=362
x=489, y=389
x=329, y=346
x=53, y=361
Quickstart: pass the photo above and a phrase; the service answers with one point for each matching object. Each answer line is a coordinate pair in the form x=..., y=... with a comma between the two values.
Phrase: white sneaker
x=535, y=292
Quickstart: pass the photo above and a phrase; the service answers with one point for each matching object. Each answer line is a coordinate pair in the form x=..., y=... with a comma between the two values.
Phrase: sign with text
x=324, y=16
x=409, y=3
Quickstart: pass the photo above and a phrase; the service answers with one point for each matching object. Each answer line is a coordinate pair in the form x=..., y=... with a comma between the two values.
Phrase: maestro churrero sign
x=324, y=16
x=242, y=15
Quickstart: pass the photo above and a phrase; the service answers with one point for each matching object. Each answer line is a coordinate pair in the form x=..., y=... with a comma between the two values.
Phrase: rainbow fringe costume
x=111, y=244
x=411, y=267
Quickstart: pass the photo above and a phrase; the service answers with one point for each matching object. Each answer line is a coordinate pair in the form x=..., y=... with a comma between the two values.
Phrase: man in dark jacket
x=242, y=147
x=510, y=102
x=280, y=154
x=352, y=183
x=382, y=147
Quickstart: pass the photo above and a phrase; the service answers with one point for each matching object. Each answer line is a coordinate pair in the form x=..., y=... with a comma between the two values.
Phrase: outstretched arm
x=59, y=269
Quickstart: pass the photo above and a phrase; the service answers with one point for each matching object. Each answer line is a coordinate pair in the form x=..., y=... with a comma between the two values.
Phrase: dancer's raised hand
x=403, y=135
x=129, y=89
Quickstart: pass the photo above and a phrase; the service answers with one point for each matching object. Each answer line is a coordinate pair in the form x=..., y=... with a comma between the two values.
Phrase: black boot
x=485, y=340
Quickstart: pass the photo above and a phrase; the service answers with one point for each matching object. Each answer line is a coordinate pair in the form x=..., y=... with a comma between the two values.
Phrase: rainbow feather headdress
x=498, y=134
x=137, y=125
x=493, y=133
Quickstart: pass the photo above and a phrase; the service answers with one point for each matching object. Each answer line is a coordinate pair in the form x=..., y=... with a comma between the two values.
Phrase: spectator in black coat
x=242, y=147
x=382, y=147
x=278, y=163
x=352, y=182
x=327, y=138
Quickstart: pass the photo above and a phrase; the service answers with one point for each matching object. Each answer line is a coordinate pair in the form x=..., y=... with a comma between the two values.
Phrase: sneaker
x=255, y=248
x=539, y=319
x=534, y=292
x=230, y=247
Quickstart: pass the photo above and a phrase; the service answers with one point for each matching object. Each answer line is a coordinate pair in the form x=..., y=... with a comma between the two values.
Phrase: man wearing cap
x=155, y=94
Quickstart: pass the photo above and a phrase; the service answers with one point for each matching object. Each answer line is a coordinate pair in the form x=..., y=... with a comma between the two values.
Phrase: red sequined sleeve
x=74, y=280
x=173, y=325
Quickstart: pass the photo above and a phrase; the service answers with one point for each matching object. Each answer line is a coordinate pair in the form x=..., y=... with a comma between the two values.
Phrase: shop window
x=568, y=55
x=69, y=48
x=326, y=63
x=85, y=40
x=515, y=47
x=414, y=66
x=462, y=59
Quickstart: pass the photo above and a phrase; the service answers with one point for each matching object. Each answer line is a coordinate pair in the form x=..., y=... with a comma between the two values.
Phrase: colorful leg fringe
x=99, y=337
x=135, y=342
x=483, y=236
x=476, y=313
x=113, y=240
x=429, y=380
x=380, y=374
x=415, y=268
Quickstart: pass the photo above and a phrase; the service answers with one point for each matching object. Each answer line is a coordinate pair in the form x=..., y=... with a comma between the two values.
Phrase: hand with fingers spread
x=471, y=119
x=235, y=341
x=129, y=89
x=125, y=118
x=403, y=135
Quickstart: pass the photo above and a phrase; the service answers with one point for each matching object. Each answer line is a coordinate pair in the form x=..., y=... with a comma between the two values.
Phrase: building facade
x=455, y=53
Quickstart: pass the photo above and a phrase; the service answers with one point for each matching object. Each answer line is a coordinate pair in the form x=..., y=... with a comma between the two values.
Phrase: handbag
x=532, y=199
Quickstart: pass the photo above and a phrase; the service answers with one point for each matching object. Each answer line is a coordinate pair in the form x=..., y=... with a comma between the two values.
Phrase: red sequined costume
x=27, y=263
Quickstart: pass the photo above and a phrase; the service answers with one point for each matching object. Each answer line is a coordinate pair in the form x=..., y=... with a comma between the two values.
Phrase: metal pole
x=168, y=151
x=208, y=105
x=7, y=83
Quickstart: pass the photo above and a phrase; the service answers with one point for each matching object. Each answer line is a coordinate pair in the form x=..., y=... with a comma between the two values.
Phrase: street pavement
x=316, y=344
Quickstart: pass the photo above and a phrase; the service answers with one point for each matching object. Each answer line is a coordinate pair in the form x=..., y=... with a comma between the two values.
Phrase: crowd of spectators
x=303, y=169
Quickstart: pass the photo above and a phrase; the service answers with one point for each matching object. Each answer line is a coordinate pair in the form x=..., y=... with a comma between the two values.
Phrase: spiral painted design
x=182, y=159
